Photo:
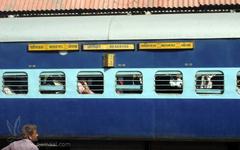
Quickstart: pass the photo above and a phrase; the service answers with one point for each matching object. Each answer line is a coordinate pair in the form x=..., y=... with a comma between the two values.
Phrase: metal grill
x=238, y=82
x=15, y=83
x=129, y=83
x=169, y=82
x=211, y=82
x=52, y=83
x=91, y=82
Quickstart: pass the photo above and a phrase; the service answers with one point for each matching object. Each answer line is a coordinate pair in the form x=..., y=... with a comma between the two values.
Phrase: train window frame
x=172, y=82
x=10, y=89
x=127, y=88
x=52, y=86
x=204, y=82
x=92, y=82
x=238, y=82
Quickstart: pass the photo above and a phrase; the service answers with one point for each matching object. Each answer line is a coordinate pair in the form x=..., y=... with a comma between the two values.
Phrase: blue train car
x=130, y=77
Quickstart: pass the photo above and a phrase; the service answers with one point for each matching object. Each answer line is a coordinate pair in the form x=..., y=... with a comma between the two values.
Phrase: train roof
x=127, y=27
x=40, y=5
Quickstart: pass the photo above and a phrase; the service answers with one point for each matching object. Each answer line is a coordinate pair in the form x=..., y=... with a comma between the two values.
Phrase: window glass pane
x=52, y=83
x=15, y=83
x=209, y=82
x=129, y=83
x=90, y=82
x=169, y=82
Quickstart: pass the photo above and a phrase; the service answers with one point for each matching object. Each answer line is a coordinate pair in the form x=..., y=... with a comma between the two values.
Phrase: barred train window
x=52, y=83
x=90, y=82
x=209, y=82
x=15, y=83
x=169, y=82
x=238, y=82
x=129, y=83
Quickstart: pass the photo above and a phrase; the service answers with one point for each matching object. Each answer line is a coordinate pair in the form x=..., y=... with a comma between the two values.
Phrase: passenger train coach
x=151, y=77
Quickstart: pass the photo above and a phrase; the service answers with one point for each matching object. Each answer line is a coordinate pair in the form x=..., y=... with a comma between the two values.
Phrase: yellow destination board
x=166, y=45
x=54, y=47
x=109, y=47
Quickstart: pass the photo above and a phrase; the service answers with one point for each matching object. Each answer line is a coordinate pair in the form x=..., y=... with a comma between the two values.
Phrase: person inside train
x=29, y=135
x=176, y=82
x=58, y=83
x=209, y=81
x=7, y=90
x=203, y=82
x=206, y=81
x=120, y=81
x=83, y=88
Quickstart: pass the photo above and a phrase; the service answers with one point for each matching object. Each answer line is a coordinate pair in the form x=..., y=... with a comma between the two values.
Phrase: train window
x=169, y=82
x=209, y=82
x=129, y=83
x=52, y=83
x=238, y=82
x=90, y=82
x=15, y=83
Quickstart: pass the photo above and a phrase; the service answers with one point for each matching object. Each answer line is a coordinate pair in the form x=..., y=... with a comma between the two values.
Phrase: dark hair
x=28, y=130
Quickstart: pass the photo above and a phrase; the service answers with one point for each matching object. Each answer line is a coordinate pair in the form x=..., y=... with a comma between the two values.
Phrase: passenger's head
x=30, y=132
x=81, y=88
x=7, y=90
x=56, y=82
x=178, y=76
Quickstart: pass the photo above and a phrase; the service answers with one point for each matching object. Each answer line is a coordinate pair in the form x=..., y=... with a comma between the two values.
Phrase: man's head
x=30, y=132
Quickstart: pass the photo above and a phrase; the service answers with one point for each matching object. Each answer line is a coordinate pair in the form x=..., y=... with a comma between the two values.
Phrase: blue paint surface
x=206, y=53
x=214, y=117
x=126, y=118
